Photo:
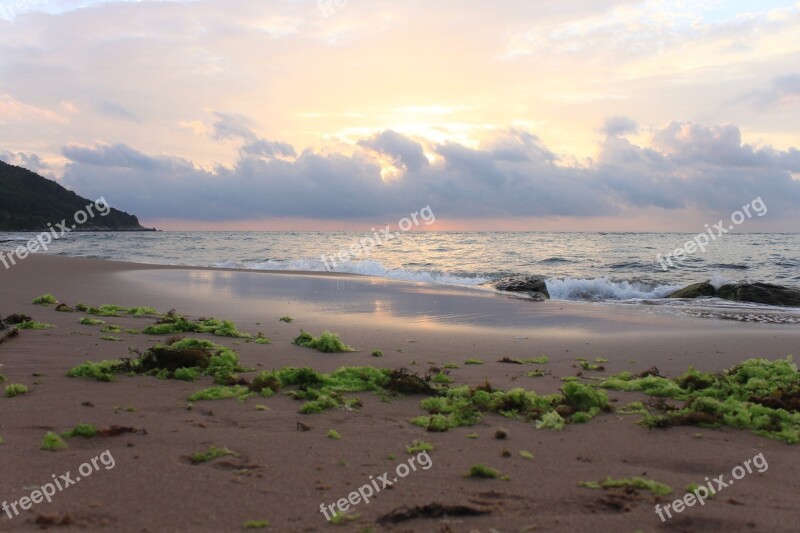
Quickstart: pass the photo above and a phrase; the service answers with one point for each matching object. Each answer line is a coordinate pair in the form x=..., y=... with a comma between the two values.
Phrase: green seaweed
x=464, y=406
x=15, y=389
x=32, y=324
x=163, y=360
x=551, y=420
x=537, y=360
x=419, y=446
x=482, y=472
x=53, y=442
x=86, y=321
x=255, y=524
x=142, y=311
x=584, y=398
x=101, y=370
x=107, y=310
x=186, y=374
x=221, y=392
x=45, y=299
x=172, y=324
x=759, y=395
x=525, y=454
x=110, y=338
x=441, y=377
x=110, y=329
x=333, y=434
x=473, y=362
x=86, y=431
x=434, y=423
x=212, y=453
x=327, y=342
x=658, y=489
x=323, y=391
x=377, y=353
x=633, y=408
x=339, y=519
x=286, y=319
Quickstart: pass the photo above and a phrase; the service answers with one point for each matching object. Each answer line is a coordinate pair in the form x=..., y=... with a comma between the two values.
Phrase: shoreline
x=281, y=474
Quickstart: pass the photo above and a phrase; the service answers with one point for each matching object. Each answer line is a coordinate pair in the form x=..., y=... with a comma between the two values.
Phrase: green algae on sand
x=757, y=394
x=327, y=342
x=658, y=489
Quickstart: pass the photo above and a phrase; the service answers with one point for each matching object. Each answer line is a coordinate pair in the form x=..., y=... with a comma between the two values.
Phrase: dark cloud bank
x=688, y=165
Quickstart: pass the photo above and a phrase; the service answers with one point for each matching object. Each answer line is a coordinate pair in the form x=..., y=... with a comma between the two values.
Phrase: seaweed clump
x=116, y=310
x=173, y=323
x=637, y=483
x=322, y=391
x=465, y=406
x=760, y=395
x=179, y=358
x=327, y=342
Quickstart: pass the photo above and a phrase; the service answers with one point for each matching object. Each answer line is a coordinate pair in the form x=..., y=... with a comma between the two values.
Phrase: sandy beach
x=282, y=472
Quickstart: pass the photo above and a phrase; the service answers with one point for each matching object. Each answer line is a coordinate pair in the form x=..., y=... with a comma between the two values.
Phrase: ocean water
x=609, y=267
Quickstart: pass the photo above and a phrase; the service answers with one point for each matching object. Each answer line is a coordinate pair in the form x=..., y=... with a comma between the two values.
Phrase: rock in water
x=535, y=286
x=762, y=293
x=695, y=290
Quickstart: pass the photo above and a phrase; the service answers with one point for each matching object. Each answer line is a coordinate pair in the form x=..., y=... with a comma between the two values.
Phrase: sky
x=576, y=115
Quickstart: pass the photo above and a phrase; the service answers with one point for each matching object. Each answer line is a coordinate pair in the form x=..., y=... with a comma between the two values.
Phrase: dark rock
x=726, y=292
x=762, y=293
x=695, y=290
x=533, y=285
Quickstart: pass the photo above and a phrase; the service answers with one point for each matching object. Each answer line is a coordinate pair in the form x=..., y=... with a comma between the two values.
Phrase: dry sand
x=282, y=474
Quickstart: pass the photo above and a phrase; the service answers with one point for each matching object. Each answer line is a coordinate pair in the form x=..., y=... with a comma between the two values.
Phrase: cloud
x=26, y=160
x=617, y=126
x=15, y=111
x=688, y=165
x=784, y=91
x=232, y=126
x=402, y=150
x=114, y=110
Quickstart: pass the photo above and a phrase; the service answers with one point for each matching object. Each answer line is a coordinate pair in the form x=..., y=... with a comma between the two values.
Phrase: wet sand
x=282, y=474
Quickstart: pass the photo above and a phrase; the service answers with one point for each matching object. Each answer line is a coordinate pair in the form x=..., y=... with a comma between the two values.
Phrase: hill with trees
x=28, y=202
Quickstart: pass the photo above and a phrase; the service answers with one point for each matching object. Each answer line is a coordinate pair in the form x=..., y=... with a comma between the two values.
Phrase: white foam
x=365, y=268
x=718, y=280
x=604, y=288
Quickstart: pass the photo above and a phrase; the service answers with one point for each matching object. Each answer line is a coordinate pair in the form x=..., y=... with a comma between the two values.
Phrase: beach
x=285, y=465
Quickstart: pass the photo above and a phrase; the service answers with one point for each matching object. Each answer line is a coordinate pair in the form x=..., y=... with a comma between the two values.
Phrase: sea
x=619, y=268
